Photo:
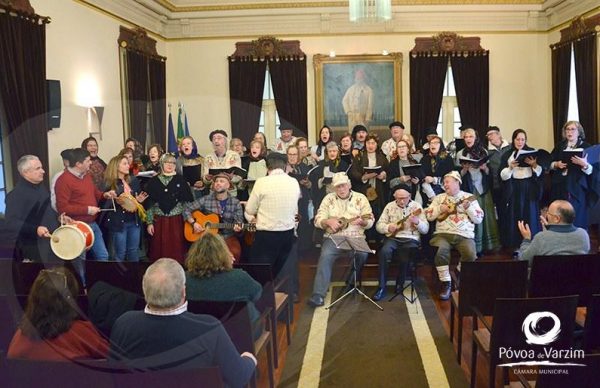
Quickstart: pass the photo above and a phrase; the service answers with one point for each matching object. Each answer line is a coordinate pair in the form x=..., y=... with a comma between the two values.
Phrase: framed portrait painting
x=358, y=89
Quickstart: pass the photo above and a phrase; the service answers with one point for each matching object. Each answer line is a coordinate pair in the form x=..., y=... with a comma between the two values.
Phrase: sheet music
x=359, y=244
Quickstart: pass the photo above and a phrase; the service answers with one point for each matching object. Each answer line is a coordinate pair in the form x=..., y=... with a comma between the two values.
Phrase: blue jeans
x=126, y=243
x=98, y=251
x=329, y=253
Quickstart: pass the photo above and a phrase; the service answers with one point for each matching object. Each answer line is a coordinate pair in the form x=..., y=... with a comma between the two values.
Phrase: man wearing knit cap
x=456, y=213
x=221, y=157
x=389, y=146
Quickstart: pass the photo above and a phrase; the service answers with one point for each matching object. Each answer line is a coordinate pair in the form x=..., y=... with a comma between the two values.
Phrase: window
x=269, y=119
x=573, y=112
x=449, y=118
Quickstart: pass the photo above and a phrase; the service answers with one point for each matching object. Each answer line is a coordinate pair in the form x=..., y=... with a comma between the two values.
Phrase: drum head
x=67, y=242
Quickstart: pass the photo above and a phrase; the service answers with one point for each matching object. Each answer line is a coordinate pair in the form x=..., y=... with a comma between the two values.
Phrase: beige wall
x=83, y=55
x=82, y=52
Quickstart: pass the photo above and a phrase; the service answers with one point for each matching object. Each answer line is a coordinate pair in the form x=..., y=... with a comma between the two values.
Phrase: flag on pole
x=186, y=128
x=180, y=133
x=172, y=140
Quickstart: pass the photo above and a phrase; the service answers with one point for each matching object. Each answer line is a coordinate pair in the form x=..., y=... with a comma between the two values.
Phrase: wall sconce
x=94, y=121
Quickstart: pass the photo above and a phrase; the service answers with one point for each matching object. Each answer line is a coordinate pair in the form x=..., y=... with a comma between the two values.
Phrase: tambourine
x=131, y=205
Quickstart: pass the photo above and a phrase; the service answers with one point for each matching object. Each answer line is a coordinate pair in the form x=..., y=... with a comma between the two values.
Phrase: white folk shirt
x=281, y=146
x=388, y=147
x=274, y=202
x=356, y=205
x=392, y=214
x=463, y=222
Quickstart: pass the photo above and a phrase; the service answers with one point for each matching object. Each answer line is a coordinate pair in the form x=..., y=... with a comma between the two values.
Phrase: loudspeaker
x=53, y=87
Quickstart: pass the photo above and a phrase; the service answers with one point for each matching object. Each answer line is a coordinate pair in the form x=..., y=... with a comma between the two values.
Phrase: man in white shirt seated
x=403, y=221
x=342, y=213
x=456, y=213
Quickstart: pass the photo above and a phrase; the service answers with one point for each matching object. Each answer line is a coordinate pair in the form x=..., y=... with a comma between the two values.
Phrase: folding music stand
x=354, y=244
x=413, y=273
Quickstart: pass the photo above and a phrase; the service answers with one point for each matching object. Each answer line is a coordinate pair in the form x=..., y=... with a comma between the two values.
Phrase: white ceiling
x=206, y=19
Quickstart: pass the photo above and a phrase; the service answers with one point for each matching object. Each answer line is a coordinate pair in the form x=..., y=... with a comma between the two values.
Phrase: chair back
x=10, y=316
x=234, y=317
x=26, y=273
x=59, y=374
x=565, y=275
x=123, y=274
x=262, y=274
x=482, y=282
x=574, y=376
x=512, y=320
x=591, y=330
x=207, y=377
x=81, y=300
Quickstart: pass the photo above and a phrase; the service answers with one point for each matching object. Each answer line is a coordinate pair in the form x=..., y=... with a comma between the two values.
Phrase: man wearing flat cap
x=221, y=158
x=273, y=205
x=456, y=213
x=342, y=213
x=359, y=136
x=402, y=222
x=221, y=203
x=389, y=146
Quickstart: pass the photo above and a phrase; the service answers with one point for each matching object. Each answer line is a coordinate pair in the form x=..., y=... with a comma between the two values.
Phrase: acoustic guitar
x=400, y=224
x=211, y=224
x=345, y=222
x=452, y=206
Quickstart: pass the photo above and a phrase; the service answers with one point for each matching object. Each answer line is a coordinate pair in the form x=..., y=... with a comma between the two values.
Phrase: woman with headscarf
x=476, y=179
x=522, y=190
x=189, y=165
x=435, y=164
x=318, y=151
x=167, y=195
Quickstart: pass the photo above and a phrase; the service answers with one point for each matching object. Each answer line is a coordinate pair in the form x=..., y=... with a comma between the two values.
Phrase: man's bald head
x=564, y=210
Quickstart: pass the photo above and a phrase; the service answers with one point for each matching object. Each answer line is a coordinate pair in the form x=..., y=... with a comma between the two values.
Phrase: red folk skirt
x=168, y=240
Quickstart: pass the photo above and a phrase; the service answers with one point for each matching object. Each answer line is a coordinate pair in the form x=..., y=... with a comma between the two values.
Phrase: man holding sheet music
x=342, y=213
x=221, y=159
x=571, y=172
x=402, y=221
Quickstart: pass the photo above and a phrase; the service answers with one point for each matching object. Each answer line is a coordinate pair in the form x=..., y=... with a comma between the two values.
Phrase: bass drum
x=70, y=241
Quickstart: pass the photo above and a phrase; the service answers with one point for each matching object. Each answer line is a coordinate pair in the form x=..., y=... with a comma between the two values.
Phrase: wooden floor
x=307, y=269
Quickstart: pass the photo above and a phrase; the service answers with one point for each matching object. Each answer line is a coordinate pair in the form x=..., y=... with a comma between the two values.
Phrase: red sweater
x=81, y=341
x=74, y=195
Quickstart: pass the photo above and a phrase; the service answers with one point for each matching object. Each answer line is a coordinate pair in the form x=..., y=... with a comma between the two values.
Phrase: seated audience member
x=456, y=216
x=221, y=203
x=51, y=328
x=166, y=336
x=561, y=237
x=211, y=276
x=404, y=238
x=342, y=204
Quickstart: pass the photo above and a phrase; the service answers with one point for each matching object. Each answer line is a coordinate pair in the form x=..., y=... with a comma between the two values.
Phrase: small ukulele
x=400, y=224
x=344, y=222
x=452, y=205
x=211, y=224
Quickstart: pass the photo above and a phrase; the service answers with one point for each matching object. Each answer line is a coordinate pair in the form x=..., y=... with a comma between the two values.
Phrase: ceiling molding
x=212, y=19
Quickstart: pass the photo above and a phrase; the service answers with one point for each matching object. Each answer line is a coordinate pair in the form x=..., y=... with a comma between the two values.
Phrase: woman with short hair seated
x=210, y=275
x=51, y=328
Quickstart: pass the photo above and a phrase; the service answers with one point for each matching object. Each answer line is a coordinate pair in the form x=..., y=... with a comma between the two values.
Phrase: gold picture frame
x=336, y=93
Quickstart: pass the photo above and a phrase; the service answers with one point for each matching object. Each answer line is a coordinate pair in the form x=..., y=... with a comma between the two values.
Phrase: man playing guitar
x=228, y=208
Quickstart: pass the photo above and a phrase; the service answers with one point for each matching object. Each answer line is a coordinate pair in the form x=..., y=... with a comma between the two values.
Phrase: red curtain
x=23, y=86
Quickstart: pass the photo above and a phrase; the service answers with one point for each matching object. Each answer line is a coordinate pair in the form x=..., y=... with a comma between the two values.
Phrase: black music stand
x=354, y=244
x=413, y=273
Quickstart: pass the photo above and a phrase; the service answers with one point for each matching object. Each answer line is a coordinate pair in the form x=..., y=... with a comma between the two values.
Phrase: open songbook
x=566, y=155
x=414, y=170
x=476, y=162
x=524, y=154
x=375, y=169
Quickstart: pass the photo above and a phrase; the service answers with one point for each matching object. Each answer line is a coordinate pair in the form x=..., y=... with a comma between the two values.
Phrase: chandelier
x=370, y=10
